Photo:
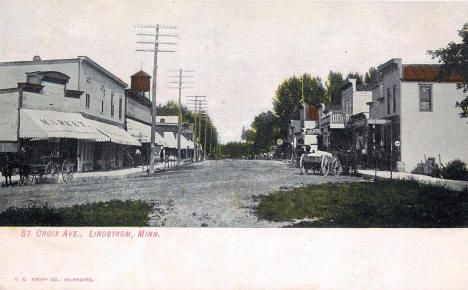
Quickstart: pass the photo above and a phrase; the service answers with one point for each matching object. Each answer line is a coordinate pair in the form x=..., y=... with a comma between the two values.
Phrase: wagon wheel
x=324, y=166
x=67, y=171
x=302, y=165
x=24, y=179
x=51, y=172
x=335, y=167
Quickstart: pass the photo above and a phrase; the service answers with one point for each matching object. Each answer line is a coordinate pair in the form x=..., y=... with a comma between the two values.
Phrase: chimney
x=36, y=58
x=353, y=82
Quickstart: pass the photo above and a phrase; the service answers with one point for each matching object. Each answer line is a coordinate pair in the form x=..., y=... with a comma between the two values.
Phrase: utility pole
x=155, y=51
x=197, y=102
x=179, y=124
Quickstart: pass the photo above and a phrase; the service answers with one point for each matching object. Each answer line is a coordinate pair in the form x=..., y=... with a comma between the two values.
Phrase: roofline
x=103, y=70
x=69, y=60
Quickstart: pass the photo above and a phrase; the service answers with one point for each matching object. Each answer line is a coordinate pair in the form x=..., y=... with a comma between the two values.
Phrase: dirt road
x=211, y=193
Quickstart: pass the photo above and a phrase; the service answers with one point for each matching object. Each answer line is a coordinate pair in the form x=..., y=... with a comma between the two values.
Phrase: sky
x=239, y=51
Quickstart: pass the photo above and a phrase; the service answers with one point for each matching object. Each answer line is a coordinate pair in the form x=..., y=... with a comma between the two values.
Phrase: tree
x=358, y=77
x=291, y=93
x=169, y=109
x=334, y=83
x=454, y=60
x=266, y=129
x=373, y=77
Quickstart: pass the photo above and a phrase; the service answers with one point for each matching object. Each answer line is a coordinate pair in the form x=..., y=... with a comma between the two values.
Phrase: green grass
x=108, y=213
x=386, y=203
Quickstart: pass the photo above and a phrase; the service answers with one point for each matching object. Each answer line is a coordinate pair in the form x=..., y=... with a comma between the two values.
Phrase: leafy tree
x=236, y=149
x=454, y=59
x=373, y=77
x=266, y=130
x=359, y=78
x=169, y=109
x=291, y=93
x=334, y=83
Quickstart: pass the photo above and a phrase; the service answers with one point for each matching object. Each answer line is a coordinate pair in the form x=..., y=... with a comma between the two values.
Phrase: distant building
x=332, y=126
x=138, y=120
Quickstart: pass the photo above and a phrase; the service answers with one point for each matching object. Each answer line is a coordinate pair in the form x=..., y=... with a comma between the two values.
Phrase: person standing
x=137, y=157
x=364, y=156
x=5, y=167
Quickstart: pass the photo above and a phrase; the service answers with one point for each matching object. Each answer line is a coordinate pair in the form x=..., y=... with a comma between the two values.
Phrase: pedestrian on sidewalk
x=364, y=157
x=137, y=157
x=5, y=167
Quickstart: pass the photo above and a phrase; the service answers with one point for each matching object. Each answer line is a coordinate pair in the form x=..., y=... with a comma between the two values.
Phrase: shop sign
x=63, y=123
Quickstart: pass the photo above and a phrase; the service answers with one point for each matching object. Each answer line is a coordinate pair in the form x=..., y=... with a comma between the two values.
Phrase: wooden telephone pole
x=156, y=34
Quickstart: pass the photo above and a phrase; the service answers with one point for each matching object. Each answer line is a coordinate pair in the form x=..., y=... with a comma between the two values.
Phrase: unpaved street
x=211, y=193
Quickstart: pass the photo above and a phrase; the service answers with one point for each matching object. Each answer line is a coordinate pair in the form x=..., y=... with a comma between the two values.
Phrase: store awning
x=170, y=140
x=40, y=124
x=115, y=134
x=185, y=143
x=142, y=132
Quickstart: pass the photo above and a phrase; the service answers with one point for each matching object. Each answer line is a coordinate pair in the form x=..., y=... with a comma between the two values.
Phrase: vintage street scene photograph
x=234, y=114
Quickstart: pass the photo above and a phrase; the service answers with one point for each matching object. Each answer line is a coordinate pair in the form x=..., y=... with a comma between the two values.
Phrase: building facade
x=416, y=104
x=99, y=97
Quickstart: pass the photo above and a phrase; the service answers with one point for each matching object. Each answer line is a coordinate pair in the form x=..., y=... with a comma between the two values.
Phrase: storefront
x=89, y=144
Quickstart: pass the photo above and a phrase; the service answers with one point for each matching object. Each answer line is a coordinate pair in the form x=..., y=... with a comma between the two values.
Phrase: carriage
x=320, y=162
x=47, y=170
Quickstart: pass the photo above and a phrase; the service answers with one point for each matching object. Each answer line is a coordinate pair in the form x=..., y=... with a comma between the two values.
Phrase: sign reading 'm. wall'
x=49, y=122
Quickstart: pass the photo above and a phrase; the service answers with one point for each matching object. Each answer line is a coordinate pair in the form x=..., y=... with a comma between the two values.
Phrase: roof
x=68, y=60
x=429, y=73
x=141, y=74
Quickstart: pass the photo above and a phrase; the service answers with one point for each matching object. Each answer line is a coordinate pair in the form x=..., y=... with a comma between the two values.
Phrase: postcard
x=233, y=144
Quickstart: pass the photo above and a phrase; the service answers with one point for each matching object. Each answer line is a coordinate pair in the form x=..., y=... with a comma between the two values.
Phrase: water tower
x=141, y=83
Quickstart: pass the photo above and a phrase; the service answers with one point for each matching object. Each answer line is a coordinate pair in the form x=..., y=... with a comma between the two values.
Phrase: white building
x=418, y=106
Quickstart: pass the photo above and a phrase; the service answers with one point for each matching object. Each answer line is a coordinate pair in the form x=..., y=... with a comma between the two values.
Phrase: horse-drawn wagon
x=47, y=170
x=320, y=162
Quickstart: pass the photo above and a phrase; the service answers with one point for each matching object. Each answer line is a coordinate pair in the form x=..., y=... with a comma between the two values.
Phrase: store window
x=425, y=98
x=88, y=94
x=112, y=104
x=120, y=108
x=394, y=99
x=389, y=97
x=103, y=95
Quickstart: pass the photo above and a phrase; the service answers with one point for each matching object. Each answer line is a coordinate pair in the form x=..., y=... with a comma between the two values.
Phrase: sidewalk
x=458, y=185
x=110, y=174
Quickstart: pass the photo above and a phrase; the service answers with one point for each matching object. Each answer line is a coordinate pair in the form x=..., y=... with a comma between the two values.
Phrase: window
x=112, y=104
x=394, y=99
x=103, y=94
x=425, y=98
x=389, y=96
x=88, y=92
x=162, y=120
x=120, y=108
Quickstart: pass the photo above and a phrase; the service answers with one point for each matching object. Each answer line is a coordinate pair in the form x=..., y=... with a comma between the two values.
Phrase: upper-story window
x=425, y=98
x=389, y=96
x=162, y=120
x=120, y=108
x=394, y=99
x=103, y=95
x=88, y=93
x=112, y=104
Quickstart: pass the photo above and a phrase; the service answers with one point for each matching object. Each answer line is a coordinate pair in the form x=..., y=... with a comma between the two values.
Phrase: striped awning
x=170, y=140
x=142, y=132
x=115, y=134
x=185, y=143
x=41, y=124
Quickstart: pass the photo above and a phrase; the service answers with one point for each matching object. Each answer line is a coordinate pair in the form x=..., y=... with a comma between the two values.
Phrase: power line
x=181, y=76
x=157, y=34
